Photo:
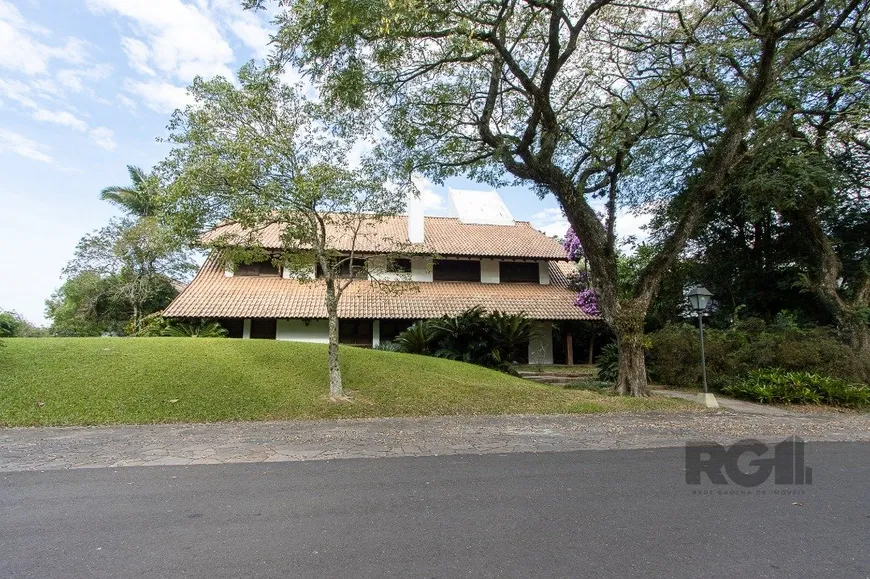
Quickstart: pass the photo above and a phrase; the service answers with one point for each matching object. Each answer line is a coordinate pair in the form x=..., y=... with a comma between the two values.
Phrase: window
x=260, y=268
x=518, y=272
x=358, y=332
x=344, y=268
x=399, y=266
x=392, y=328
x=233, y=326
x=264, y=328
x=456, y=270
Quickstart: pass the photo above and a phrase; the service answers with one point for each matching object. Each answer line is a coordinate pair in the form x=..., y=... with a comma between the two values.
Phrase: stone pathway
x=740, y=406
x=194, y=444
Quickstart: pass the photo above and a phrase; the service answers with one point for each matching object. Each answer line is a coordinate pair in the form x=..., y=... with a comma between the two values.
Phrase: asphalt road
x=573, y=514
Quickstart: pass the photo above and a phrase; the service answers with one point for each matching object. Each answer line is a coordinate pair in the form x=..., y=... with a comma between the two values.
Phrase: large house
x=479, y=256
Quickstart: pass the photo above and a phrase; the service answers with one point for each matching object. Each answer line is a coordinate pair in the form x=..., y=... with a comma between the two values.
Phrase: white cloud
x=22, y=52
x=127, y=103
x=11, y=14
x=182, y=40
x=72, y=79
x=17, y=91
x=63, y=118
x=14, y=143
x=104, y=138
x=137, y=55
x=161, y=97
x=551, y=221
x=254, y=35
x=432, y=201
x=248, y=26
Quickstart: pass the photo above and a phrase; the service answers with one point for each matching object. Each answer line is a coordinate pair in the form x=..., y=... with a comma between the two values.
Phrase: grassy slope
x=66, y=381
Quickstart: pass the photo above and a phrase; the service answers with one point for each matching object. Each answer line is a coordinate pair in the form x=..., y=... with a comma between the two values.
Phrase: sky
x=86, y=88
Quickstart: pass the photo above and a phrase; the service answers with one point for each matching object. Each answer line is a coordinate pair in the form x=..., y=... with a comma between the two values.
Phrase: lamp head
x=699, y=298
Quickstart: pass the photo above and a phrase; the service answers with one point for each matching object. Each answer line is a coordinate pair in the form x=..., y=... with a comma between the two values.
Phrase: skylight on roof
x=478, y=207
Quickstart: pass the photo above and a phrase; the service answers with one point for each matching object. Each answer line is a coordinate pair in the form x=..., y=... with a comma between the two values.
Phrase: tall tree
x=139, y=199
x=13, y=324
x=260, y=155
x=815, y=175
x=581, y=99
x=122, y=272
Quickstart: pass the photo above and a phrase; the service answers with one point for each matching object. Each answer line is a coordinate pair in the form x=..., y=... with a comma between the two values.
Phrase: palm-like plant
x=137, y=199
x=511, y=333
x=493, y=340
x=204, y=330
x=463, y=337
x=416, y=339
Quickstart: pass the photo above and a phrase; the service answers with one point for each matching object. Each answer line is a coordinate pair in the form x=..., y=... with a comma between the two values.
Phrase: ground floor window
x=264, y=328
x=392, y=328
x=233, y=326
x=355, y=332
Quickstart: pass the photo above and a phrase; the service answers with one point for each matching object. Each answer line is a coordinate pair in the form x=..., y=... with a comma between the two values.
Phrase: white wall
x=246, y=329
x=489, y=272
x=377, y=268
x=421, y=269
x=544, y=272
x=316, y=331
x=300, y=272
x=376, y=333
x=541, y=344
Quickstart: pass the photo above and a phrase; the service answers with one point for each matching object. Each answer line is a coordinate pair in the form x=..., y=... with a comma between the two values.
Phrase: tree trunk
x=628, y=326
x=135, y=318
x=859, y=337
x=632, y=366
x=336, y=390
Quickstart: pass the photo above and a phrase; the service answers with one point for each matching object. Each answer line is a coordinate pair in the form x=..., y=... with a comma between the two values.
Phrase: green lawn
x=79, y=381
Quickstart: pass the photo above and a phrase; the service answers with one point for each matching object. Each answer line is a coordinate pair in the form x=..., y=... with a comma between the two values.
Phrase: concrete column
x=246, y=329
x=541, y=344
x=376, y=333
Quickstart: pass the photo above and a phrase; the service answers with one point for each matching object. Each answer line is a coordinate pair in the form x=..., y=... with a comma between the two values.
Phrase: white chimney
x=415, y=218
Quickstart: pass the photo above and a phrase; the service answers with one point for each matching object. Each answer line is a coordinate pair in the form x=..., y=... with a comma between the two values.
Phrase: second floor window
x=344, y=268
x=518, y=272
x=399, y=266
x=456, y=270
x=261, y=268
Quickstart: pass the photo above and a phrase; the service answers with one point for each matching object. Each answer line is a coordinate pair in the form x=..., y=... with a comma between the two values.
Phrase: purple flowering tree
x=572, y=245
x=587, y=297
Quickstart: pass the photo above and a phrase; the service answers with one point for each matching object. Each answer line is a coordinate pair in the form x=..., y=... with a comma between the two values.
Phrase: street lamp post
x=699, y=298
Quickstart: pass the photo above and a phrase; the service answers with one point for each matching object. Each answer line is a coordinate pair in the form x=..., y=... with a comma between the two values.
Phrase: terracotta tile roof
x=443, y=235
x=212, y=295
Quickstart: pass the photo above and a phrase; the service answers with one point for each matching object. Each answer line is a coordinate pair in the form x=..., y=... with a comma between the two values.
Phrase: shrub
x=608, y=363
x=387, y=347
x=201, y=330
x=417, y=339
x=493, y=340
x=675, y=356
x=150, y=326
x=778, y=386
